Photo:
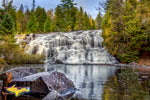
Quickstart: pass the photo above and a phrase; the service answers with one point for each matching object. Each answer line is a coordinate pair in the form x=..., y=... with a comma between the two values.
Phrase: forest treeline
x=125, y=24
x=66, y=17
x=126, y=28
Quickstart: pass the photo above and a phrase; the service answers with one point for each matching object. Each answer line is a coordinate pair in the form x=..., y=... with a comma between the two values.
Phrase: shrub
x=12, y=54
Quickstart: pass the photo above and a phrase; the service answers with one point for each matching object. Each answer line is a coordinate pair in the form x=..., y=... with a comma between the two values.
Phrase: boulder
x=43, y=82
x=58, y=61
x=35, y=82
x=53, y=95
x=67, y=93
x=20, y=72
x=58, y=81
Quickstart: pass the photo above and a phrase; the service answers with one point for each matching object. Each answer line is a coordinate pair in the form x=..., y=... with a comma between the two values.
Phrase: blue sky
x=88, y=5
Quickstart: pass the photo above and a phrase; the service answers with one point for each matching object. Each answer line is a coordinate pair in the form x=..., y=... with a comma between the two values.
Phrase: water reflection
x=89, y=79
x=127, y=85
x=97, y=82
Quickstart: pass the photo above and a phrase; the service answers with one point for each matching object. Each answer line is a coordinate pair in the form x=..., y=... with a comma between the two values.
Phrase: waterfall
x=79, y=47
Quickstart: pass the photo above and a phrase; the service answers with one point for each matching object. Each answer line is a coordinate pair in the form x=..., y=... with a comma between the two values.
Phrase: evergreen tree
x=1, y=14
x=48, y=27
x=123, y=30
x=67, y=16
x=21, y=8
x=9, y=8
x=27, y=14
x=87, y=24
x=33, y=24
x=7, y=25
x=79, y=24
x=58, y=19
x=21, y=21
x=93, y=23
x=40, y=14
x=99, y=20
x=33, y=5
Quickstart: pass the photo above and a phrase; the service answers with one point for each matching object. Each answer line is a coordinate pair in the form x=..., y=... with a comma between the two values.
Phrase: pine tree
x=1, y=14
x=40, y=14
x=21, y=8
x=7, y=25
x=48, y=27
x=67, y=16
x=33, y=24
x=122, y=32
x=98, y=20
x=87, y=25
x=27, y=14
x=33, y=5
x=21, y=21
x=79, y=24
x=58, y=19
x=93, y=27
x=9, y=8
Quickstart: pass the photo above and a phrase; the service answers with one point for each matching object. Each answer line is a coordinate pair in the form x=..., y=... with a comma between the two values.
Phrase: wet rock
x=35, y=82
x=58, y=61
x=58, y=81
x=29, y=38
x=53, y=95
x=21, y=72
x=133, y=63
x=67, y=93
x=43, y=82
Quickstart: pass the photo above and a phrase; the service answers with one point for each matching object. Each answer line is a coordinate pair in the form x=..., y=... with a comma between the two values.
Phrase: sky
x=88, y=5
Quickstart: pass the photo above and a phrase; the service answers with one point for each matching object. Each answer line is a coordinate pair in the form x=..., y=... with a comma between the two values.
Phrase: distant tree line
x=126, y=28
x=66, y=17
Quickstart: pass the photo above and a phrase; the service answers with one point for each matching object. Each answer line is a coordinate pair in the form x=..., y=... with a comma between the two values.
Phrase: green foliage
x=21, y=22
x=58, y=19
x=99, y=20
x=79, y=24
x=123, y=32
x=40, y=15
x=33, y=24
x=48, y=27
x=65, y=16
x=1, y=14
x=7, y=25
x=12, y=54
x=126, y=84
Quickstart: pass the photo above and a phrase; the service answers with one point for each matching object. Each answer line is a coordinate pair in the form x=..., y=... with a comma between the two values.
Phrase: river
x=101, y=82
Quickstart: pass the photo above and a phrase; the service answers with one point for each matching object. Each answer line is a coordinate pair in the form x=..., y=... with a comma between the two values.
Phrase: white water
x=72, y=47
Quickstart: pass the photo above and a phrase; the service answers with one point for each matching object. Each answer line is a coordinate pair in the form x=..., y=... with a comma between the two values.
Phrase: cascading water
x=80, y=47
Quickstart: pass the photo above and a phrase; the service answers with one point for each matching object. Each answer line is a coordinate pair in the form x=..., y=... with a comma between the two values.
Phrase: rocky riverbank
x=44, y=85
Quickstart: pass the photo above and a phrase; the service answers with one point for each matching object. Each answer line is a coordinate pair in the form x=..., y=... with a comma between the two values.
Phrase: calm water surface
x=99, y=82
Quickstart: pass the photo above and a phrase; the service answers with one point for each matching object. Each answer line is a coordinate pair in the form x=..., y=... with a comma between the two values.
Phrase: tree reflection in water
x=127, y=85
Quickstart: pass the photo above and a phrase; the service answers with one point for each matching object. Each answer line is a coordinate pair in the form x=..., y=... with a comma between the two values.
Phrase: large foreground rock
x=58, y=81
x=53, y=95
x=20, y=72
x=46, y=83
